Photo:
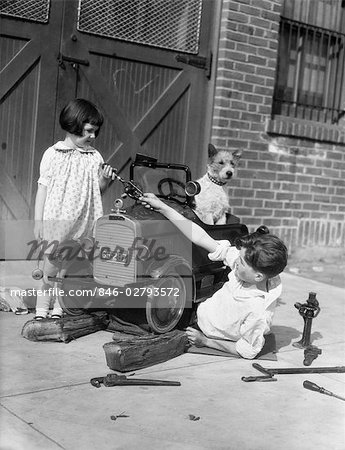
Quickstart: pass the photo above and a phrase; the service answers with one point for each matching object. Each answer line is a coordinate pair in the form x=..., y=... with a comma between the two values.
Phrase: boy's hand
x=151, y=201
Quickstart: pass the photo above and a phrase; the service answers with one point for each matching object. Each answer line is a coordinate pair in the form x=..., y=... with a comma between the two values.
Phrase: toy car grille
x=170, y=24
x=114, y=266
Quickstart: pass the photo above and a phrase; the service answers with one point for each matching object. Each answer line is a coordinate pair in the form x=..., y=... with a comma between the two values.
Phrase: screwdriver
x=314, y=387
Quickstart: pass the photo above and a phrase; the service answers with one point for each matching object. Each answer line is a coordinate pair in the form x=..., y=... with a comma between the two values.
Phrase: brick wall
x=292, y=176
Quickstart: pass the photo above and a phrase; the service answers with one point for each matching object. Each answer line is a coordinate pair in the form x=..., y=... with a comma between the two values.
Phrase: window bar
x=335, y=76
x=278, y=97
x=310, y=43
x=327, y=76
x=341, y=72
x=342, y=106
x=342, y=69
x=311, y=71
x=316, y=66
x=307, y=66
x=319, y=72
x=299, y=41
x=305, y=48
x=317, y=96
x=289, y=45
x=337, y=86
x=336, y=56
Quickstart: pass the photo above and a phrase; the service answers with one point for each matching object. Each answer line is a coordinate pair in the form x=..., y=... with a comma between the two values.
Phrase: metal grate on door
x=34, y=10
x=168, y=24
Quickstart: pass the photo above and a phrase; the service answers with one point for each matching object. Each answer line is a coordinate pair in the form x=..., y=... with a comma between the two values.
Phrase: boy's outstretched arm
x=191, y=230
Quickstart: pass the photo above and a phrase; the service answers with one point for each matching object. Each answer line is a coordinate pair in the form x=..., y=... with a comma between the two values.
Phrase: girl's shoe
x=56, y=316
x=39, y=318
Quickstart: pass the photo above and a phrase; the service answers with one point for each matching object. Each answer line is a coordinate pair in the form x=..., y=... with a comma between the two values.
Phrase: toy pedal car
x=140, y=260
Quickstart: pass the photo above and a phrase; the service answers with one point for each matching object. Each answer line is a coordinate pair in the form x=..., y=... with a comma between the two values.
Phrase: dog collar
x=215, y=181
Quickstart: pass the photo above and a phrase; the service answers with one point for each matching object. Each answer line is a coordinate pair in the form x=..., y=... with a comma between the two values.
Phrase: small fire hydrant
x=308, y=311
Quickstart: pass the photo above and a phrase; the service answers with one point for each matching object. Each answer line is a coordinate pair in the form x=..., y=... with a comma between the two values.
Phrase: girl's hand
x=152, y=202
x=107, y=172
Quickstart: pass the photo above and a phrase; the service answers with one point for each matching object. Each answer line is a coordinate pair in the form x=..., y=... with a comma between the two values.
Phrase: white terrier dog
x=212, y=204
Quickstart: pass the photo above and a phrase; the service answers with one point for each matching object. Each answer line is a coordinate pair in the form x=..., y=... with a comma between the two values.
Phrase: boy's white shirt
x=238, y=313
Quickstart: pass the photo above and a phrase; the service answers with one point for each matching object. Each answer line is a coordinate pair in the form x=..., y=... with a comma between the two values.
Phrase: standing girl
x=68, y=200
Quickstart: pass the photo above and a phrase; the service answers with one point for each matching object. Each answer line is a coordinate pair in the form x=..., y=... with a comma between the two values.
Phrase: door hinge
x=200, y=62
x=74, y=61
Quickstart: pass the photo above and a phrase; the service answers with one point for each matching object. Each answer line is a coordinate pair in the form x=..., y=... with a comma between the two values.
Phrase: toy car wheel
x=169, y=302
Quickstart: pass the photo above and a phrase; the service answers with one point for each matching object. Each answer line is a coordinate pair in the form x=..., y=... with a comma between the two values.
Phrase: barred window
x=310, y=81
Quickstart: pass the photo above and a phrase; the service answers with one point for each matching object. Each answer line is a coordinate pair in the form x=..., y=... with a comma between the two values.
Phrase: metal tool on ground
x=113, y=379
x=268, y=373
x=296, y=370
x=314, y=387
x=308, y=311
x=310, y=353
x=259, y=378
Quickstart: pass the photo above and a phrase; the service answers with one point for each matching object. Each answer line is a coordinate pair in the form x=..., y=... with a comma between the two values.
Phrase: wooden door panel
x=19, y=66
x=16, y=155
x=135, y=85
x=167, y=139
x=17, y=206
x=28, y=76
x=27, y=92
x=9, y=48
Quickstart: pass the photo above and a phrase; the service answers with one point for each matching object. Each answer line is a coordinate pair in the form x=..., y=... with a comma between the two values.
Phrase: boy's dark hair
x=78, y=112
x=265, y=252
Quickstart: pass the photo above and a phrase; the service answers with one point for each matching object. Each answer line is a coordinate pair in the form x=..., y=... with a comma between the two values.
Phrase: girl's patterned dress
x=73, y=200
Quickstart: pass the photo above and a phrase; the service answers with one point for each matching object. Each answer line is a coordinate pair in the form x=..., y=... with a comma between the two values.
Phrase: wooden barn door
x=145, y=63
x=148, y=65
x=30, y=39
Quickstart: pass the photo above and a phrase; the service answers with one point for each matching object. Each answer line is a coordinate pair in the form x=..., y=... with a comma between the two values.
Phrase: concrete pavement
x=47, y=402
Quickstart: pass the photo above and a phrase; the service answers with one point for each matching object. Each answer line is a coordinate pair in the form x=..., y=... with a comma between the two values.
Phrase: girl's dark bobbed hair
x=78, y=112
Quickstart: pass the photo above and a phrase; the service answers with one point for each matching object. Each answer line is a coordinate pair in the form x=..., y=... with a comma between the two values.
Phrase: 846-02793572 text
x=149, y=291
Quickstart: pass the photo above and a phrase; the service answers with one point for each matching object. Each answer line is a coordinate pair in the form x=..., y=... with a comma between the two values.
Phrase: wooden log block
x=65, y=329
x=128, y=352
